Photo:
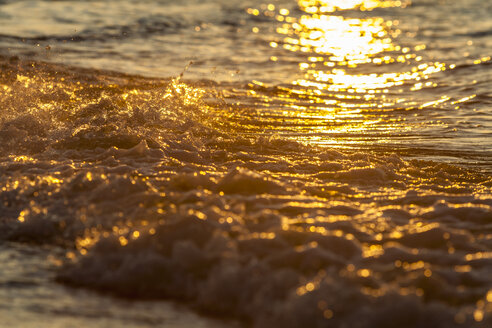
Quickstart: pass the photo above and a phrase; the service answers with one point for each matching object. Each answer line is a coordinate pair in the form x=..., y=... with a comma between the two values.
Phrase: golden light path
x=354, y=76
x=329, y=6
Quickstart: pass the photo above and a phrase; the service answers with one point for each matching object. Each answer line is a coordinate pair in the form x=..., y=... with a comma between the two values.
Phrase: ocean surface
x=226, y=163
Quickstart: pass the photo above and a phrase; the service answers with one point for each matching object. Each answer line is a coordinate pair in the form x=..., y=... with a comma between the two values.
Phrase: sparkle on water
x=125, y=161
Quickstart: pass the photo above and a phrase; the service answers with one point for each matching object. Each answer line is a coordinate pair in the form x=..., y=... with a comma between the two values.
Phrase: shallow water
x=319, y=163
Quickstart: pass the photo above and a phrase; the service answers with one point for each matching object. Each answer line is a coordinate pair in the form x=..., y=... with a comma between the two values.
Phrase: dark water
x=284, y=164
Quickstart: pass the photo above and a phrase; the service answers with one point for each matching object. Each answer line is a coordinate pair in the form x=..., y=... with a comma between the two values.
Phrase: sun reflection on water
x=356, y=73
x=349, y=41
x=329, y=6
x=352, y=42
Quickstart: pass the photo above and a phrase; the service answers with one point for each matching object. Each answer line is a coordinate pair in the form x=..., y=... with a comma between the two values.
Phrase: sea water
x=271, y=164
